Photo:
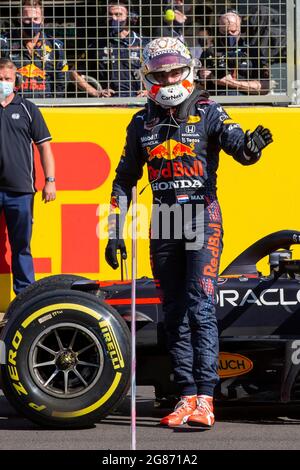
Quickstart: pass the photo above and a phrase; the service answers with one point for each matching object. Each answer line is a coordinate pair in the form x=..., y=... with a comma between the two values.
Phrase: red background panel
x=79, y=166
x=80, y=244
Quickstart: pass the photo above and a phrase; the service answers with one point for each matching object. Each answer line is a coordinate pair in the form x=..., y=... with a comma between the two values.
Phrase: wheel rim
x=66, y=360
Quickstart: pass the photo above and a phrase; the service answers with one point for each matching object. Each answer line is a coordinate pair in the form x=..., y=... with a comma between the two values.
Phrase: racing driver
x=180, y=133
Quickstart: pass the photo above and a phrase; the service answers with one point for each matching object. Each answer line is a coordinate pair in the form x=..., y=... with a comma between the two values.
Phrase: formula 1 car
x=65, y=342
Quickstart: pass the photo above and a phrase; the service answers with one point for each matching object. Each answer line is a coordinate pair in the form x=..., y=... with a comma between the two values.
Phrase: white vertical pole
x=133, y=321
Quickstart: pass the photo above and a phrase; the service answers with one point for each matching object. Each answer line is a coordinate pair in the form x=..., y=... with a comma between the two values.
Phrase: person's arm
x=48, y=164
x=82, y=84
x=205, y=74
x=245, y=147
x=179, y=16
x=40, y=135
x=128, y=172
x=251, y=86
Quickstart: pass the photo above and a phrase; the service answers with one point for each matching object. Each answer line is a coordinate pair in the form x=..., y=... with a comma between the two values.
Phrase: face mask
x=232, y=41
x=32, y=29
x=116, y=27
x=6, y=89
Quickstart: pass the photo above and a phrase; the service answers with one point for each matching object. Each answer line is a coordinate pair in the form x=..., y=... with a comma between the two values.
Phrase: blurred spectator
x=231, y=67
x=114, y=61
x=39, y=58
x=198, y=40
x=267, y=32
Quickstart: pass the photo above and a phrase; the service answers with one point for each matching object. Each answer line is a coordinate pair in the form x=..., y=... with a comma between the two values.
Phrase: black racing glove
x=257, y=140
x=115, y=241
x=111, y=251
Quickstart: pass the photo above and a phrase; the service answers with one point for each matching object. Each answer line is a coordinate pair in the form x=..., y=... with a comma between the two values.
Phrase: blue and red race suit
x=43, y=71
x=182, y=159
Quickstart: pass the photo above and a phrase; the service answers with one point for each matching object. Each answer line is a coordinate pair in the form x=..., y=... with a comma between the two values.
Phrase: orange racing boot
x=182, y=411
x=203, y=416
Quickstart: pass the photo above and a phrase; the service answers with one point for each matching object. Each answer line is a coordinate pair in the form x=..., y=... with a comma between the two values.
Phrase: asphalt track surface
x=237, y=428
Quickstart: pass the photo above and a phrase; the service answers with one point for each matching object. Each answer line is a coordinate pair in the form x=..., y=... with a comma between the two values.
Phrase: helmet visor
x=158, y=76
x=167, y=62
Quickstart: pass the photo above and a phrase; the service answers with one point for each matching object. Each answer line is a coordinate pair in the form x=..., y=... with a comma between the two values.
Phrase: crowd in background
x=93, y=48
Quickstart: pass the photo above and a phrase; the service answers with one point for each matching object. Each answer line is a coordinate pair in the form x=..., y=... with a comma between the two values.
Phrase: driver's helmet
x=163, y=55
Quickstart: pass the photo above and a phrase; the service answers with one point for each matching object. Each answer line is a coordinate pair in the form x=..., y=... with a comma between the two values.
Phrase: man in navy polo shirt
x=22, y=124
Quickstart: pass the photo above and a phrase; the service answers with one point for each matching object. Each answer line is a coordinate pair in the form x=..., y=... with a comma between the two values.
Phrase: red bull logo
x=31, y=71
x=170, y=149
x=181, y=149
x=177, y=169
x=160, y=151
x=213, y=244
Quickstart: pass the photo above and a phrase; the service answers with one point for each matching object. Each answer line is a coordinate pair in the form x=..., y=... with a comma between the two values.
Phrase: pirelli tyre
x=67, y=359
x=49, y=283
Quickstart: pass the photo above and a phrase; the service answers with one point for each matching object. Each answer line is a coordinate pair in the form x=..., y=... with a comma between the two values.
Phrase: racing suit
x=44, y=72
x=182, y=159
